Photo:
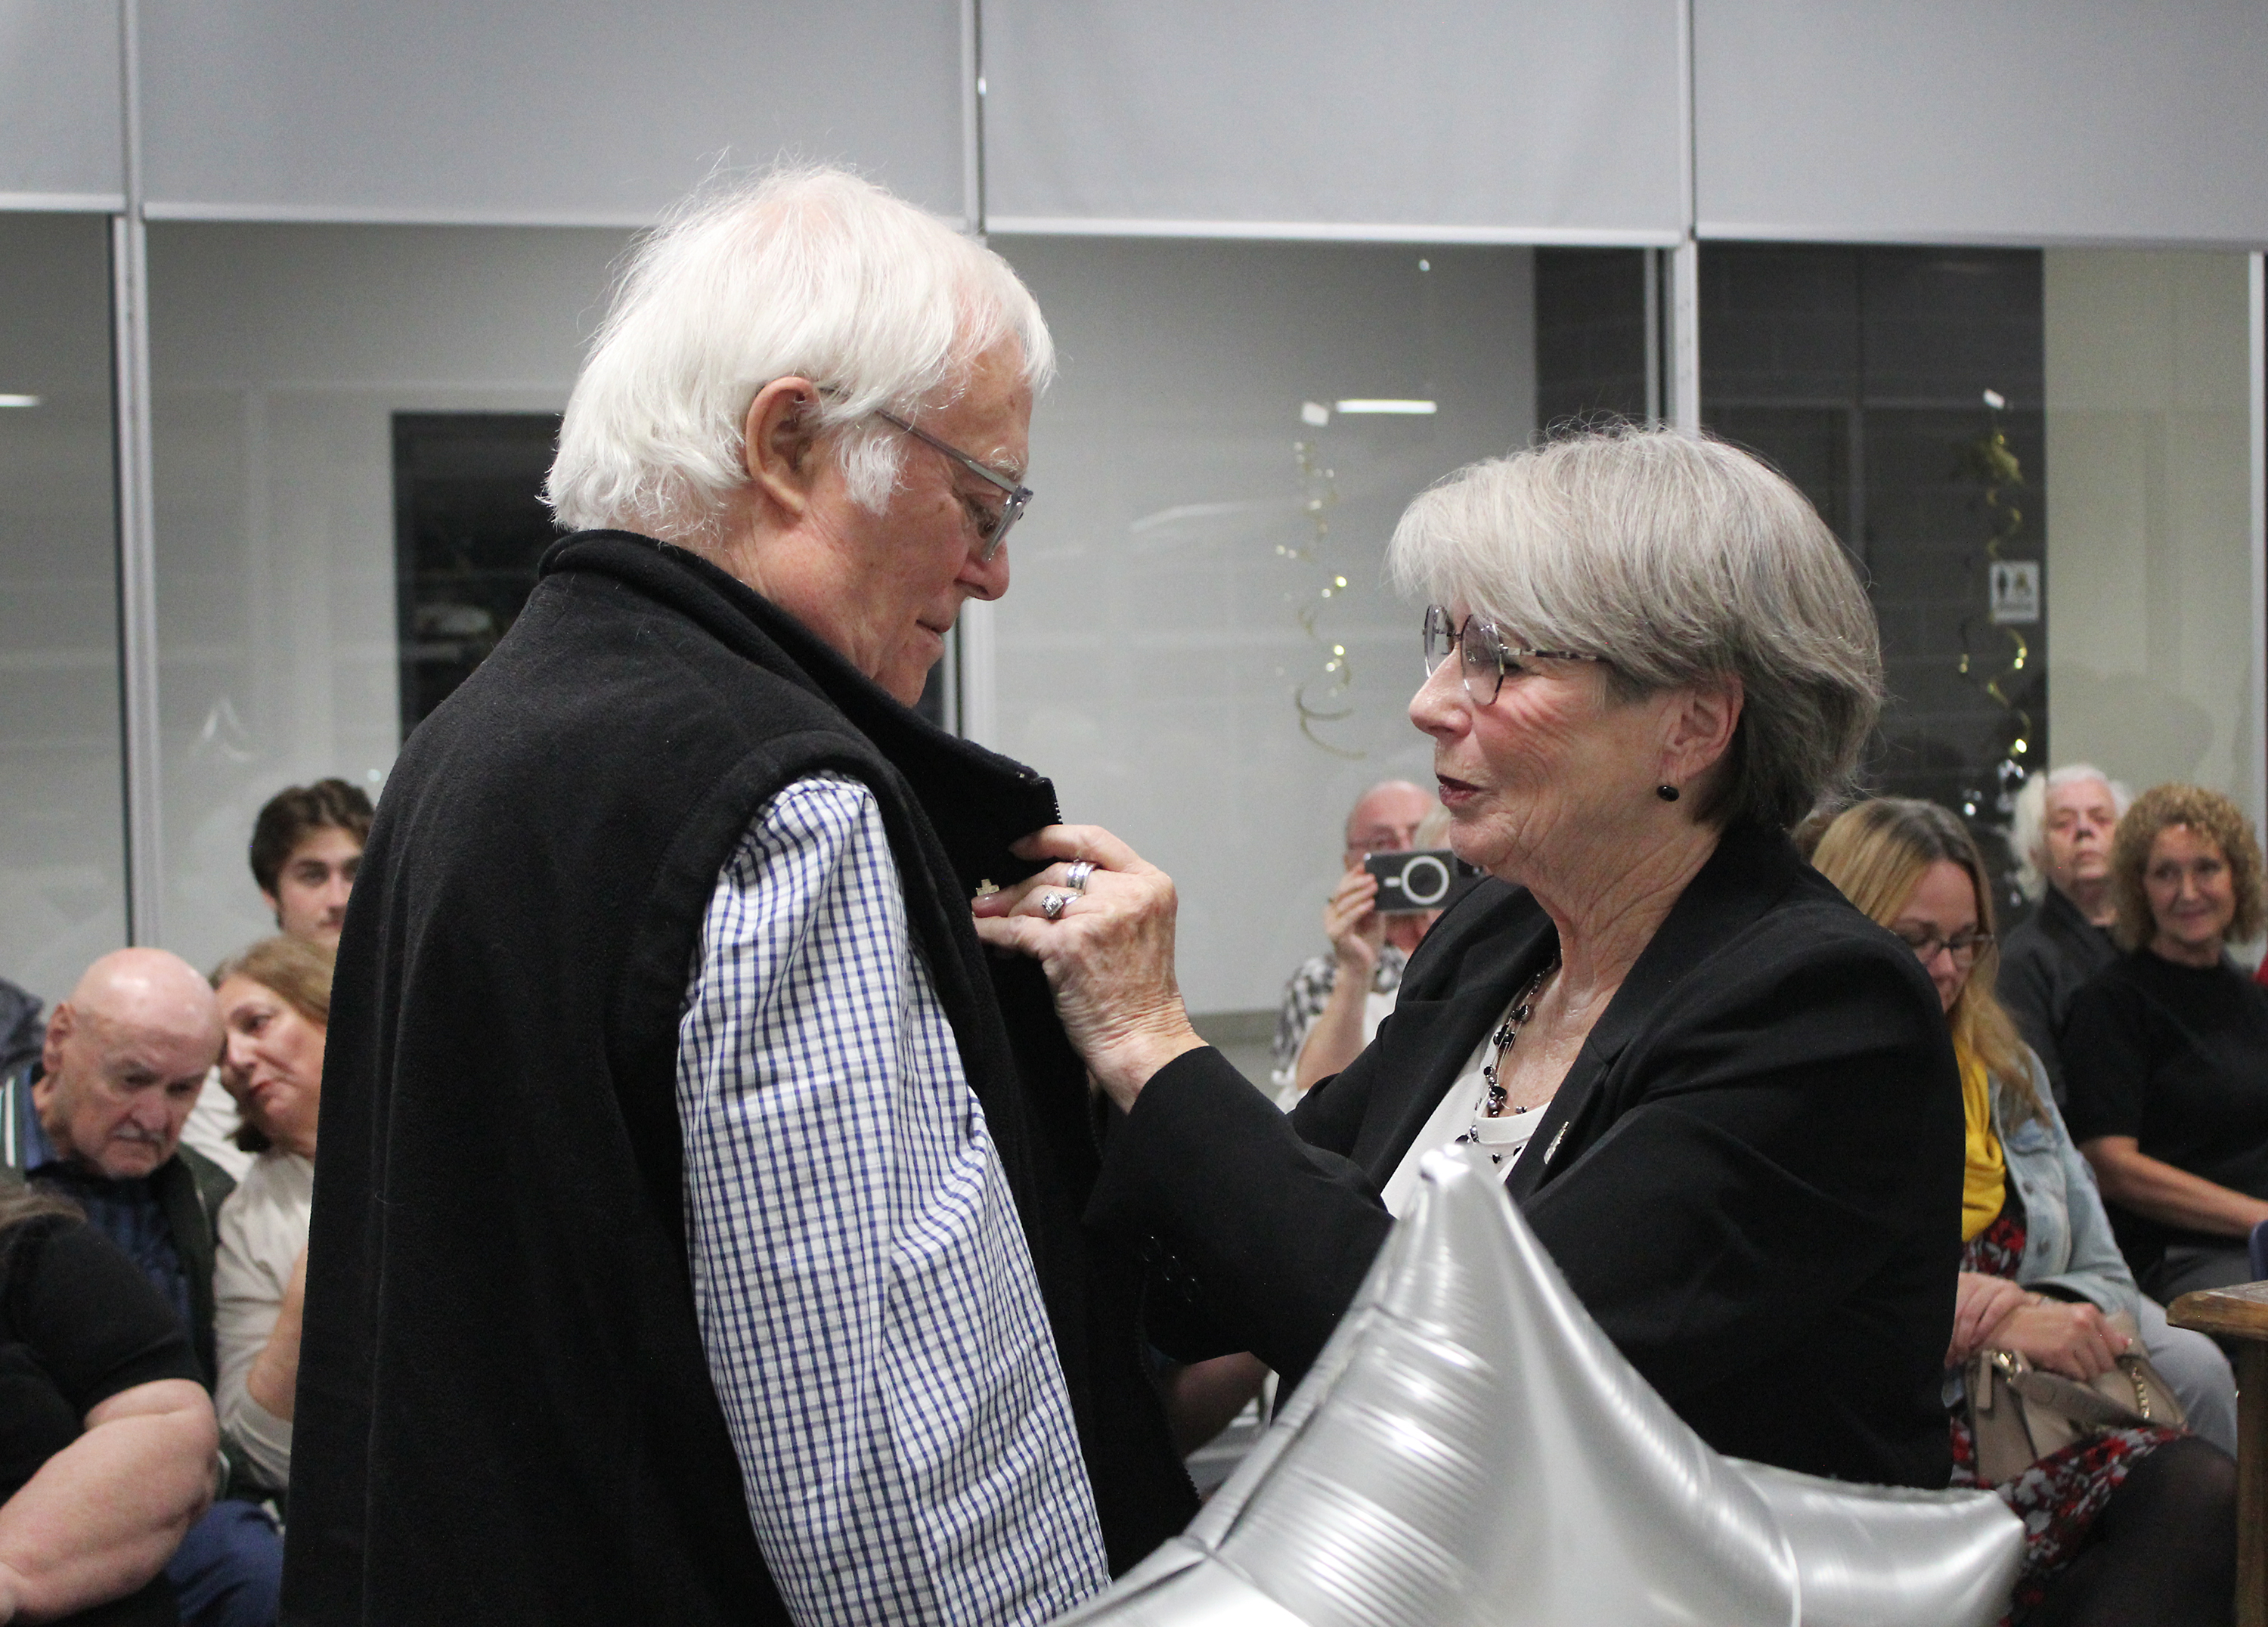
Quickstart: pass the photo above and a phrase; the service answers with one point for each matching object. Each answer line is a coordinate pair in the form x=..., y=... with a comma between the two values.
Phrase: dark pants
x=2186, y=1269
x=229, y=1570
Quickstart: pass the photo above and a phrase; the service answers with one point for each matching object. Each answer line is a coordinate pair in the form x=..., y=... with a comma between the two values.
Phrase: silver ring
x=1075, y=877
x=1052, y=905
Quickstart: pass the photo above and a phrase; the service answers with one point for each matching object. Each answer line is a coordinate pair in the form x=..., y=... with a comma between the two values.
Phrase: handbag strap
x=2072, y=1399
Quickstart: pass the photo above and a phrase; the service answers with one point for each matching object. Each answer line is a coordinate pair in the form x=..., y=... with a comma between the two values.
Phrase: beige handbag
x=2019, y=1413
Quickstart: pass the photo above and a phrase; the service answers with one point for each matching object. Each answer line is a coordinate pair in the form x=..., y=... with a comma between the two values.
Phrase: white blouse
x=264, y=1226
x=1461, y=1111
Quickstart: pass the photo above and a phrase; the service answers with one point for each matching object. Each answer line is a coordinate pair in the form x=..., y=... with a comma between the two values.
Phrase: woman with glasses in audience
x=2131, y=1525
x=1725, y=1101
x=276, y=1008
x=2166, y=1050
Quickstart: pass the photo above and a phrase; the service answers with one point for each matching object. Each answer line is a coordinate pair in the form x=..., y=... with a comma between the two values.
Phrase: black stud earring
x=1667, y=793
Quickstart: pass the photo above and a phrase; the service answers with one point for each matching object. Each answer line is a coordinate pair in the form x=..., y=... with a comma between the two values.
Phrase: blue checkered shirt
x=868, y=1305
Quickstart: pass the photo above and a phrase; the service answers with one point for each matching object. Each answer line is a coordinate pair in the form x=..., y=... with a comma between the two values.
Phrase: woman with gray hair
x=1725, y=1101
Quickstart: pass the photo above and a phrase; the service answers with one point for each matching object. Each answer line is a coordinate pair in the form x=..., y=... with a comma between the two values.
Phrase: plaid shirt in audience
x=1305, y=997
x=867, y=1302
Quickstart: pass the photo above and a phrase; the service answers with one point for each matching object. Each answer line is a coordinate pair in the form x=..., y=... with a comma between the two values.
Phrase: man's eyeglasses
x=1487, y=658
x=993, y=525
x=1965, y=947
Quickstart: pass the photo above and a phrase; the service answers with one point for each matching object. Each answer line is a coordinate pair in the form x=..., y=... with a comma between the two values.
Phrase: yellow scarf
x=1984, y=1182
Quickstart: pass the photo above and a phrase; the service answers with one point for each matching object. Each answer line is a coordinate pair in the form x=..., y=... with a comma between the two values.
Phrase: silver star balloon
x=1471, y=1448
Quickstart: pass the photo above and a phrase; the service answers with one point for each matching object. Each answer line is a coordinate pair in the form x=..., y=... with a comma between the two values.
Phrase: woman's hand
x=2067, y=1337
x=274, y=1379
x=1357, y=931
x=1980, y=1305
x=1109, y=953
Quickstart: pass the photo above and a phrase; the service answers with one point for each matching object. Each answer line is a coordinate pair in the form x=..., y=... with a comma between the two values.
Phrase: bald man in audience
x=101, y=1123
x=1335, y=1002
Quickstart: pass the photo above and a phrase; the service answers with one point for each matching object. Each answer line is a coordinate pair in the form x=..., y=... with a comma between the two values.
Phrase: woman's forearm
x=1336, y=1040
x=2158, y=1191
x=102, y=1516
x=273, y=1377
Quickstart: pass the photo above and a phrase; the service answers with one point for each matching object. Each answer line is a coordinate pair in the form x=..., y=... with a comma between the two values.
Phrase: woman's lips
x=1455, y=791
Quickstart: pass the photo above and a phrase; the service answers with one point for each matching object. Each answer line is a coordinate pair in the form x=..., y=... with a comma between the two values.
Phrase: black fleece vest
x=504, y=1411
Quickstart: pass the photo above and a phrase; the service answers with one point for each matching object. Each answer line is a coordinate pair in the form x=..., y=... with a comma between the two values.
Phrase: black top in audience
x=2176, y=1057
x=78, y=1324
x=1751, y=1176
x=2043, y=964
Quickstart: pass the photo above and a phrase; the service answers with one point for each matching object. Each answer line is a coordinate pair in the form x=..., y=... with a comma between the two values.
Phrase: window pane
x=281, y=356
x=62, y=882
x=1151, y=655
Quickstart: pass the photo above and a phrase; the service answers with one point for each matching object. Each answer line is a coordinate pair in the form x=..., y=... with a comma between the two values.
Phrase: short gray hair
x=1679, y=559
x=808, y=272
x=2028, y=826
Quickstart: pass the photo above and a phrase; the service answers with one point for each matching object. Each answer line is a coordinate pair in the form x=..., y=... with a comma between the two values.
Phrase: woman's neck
x=2200, y=955
x=1606, y=914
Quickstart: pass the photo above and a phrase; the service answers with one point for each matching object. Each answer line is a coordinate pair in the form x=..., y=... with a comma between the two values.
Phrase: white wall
x=1148, y=648
x=2149, y=586
x=279, y=355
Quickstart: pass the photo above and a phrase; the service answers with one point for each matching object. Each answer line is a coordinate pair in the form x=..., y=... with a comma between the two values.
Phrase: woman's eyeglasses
x=1965, y=947
x=1487, y=658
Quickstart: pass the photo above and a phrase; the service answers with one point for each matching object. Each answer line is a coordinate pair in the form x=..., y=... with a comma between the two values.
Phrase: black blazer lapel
x=1746, y=874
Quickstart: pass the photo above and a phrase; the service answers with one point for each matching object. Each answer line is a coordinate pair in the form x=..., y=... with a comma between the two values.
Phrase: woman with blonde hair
x=2166, y=1050
x=2132, y=1525
x=276, y=1006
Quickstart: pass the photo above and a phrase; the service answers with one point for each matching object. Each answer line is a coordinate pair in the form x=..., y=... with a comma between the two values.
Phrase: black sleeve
x=2106, y=1050
x=95, y=1324
x=2027, y=990
x=1249, y=1230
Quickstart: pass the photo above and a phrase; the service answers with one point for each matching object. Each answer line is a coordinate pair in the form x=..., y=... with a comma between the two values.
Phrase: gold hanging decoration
x=1319, y=495
x=1990, y=462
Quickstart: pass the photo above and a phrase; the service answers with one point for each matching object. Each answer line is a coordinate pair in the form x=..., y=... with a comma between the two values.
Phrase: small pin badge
x=1556, y=1140
x=985, y=889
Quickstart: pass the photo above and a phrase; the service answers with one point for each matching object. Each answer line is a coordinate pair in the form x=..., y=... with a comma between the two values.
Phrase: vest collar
x=978, y=800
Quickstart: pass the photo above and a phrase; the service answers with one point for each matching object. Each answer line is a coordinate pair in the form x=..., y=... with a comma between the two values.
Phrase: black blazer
x=1751, y=1175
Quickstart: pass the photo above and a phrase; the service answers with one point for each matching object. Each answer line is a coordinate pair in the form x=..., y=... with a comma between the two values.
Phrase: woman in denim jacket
x=2129, y=1524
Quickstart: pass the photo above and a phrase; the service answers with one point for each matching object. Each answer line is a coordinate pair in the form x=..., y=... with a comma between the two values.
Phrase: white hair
x=2028, y=826
x=1679, y=559
x=808, y=272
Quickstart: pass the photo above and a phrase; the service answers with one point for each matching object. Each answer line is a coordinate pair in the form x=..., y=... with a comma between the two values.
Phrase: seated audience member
x=1333, y=1003
x=2062, y=843
x=2136, y=1524
x=101, y=1126
x=2166, y=1050
x=1725, y=1101
x=107, y=1439
x=276, y=1007
x=306, y=846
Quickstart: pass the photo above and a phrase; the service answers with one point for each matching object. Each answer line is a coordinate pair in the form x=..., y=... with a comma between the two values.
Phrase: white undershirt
x=1462, y=1110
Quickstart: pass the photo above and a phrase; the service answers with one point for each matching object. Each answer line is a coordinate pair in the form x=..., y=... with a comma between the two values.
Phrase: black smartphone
x=1411, y=882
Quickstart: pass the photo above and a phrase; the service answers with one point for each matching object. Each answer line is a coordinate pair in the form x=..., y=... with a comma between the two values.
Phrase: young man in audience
x=306, y=846
x=1335, y=1002
x=2062, y=840
x=99, y=1121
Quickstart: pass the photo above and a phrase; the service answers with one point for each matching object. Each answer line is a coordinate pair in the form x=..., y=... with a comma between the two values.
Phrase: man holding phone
x=1335, y=1002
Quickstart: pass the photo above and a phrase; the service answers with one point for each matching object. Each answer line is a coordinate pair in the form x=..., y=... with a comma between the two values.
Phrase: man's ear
x=777, y=440
x=60, y=1026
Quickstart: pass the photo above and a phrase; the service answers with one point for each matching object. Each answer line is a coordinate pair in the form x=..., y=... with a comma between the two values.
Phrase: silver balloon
x=1471, y=1448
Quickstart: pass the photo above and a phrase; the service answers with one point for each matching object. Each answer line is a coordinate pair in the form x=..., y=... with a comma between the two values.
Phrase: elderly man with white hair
x=698, y=1235
x=2061, y=838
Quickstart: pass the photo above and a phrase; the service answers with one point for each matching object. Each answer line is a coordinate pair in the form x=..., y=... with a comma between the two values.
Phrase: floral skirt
x=2059, y=1497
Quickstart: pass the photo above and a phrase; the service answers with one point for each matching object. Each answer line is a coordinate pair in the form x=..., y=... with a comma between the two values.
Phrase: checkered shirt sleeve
x=867, y=1303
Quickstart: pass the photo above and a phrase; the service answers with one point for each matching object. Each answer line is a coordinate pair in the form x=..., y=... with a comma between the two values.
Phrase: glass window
x=1199, y=646
x=281, y=356
x=62, y=876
